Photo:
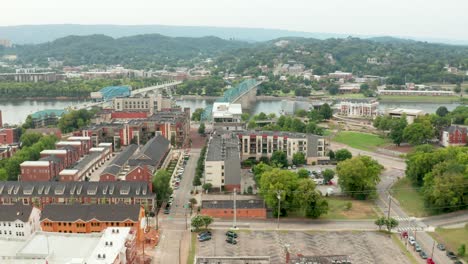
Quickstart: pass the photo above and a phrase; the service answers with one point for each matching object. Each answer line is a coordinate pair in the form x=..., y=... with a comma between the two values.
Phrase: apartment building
x=454, y=136
x=18, y=221
x=137, y=103
x=359, y=108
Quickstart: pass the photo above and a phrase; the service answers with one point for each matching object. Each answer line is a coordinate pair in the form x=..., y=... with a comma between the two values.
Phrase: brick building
x=9, y=136
x=454, y=136
x=40, y=170
x=116, y=167
x=222, y=206
x=51, y=192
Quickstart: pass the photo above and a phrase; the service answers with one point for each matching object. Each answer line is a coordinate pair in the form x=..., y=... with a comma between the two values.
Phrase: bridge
x=168, y=86
x=244, y=93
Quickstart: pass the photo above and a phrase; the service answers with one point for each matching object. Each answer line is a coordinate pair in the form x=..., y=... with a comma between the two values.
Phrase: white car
x=411, y=240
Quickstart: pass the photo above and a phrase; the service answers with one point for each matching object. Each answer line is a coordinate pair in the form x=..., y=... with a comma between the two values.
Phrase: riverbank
x=419, y=99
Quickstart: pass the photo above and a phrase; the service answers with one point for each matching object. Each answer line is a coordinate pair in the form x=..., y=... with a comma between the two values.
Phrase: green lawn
x=415, y=99
x=337, y=209
x=359, y=140
x=452, y=238
x=193, y=246
x=409, y=198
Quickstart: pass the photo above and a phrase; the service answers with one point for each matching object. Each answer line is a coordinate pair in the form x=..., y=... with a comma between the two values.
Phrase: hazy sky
x=417, y=18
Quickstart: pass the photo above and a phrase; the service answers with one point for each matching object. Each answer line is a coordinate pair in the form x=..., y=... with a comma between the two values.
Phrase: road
x=175, y=230
x=394, y=169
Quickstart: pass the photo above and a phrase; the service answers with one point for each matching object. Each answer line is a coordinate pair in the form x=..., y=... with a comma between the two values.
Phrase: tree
x=359, y=176
x=326, y=111
x=328, y=175
x=303, y=174
x=197, y=222
x=301, y=113
x=309, y=199
x=251, y=124
x=457, y=88
x=201, y=128
x=461, y=250
x=196, y=115
x=343, y=154
x=298, y=158
x=207, y=186
x=259, y=169
x=418, y=133
x=161, y=183
x=442, y=111
x=312, y=128
x=279, y=158
x=381, y=221
x=391, y=223
x=206, y=220
x=396, y=129
x=331, y=154
x=192, y=202
x=276, y=180
x=28, y=139
x=245, y=117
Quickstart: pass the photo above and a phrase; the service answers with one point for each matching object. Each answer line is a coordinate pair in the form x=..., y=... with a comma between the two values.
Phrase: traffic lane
x=182, y=195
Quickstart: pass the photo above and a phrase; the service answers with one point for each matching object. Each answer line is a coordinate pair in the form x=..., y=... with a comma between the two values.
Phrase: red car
x=430, y=261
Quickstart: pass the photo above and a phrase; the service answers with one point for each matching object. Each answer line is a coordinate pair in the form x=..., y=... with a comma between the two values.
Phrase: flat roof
x=74, y=143
x=97, y=149
x=226, y=109
x=54, y=151
x=68, y=172
x=118, y=240
x=405, y=111
x=10, y=247
x=104, y=144
x=35, y=163
x=79, y=138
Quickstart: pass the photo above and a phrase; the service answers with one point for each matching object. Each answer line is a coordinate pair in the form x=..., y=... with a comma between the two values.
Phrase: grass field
x=337, y=209
x=191, y=257
x=416, y=99
x=359, y=140
x=409, y=198
x=452, y=238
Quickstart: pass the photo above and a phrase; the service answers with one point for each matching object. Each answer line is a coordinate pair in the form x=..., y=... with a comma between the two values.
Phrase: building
x=348, y=88
x=415, y=93
x=222, y=206
x=90, y=218
x=9, y=136
x=137, y=104
x=18, y=221
x=359, y=108
x=116, y=245
x=257, y=144
x=84, y=168
x=46, y=131
x=1, y=119
x=454, y=136
x=5, y=43
x=411, y=114
x=39, y=170
x=52, y=192
x=47, y=118
x=222, y=163
x=30, y=77
x=6, y=151
x=341, y=75
x=110, y=92
x=227, y=116
x=232, y=259
x=119, y=165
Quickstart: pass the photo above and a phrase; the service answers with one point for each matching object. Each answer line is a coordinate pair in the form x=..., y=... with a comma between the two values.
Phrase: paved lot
x=95, y=175
x=361, y=247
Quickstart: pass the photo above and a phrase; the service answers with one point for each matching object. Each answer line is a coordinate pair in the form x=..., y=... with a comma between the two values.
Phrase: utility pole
x=278, y=195
x=433, y=245
x=389, y=206
x=234, y=224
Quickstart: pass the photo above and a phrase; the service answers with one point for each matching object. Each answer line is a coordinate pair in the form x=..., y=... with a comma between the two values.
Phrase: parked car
x=167, y=210
x=441, y=246
x=417, y=247
x=411, y=240
x=231, y=240
x=451, y=255
x=423, y=254
x=430, y=261
x=204, y=233
x=457, y=262
x=231, y=234
x=204, y=238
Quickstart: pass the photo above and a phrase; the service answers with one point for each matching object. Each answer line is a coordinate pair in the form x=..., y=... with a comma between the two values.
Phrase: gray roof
x=112, y=169
x=222, y=148
x=52, y=158
x=274, y=133
x=86, y=161
x=18, y=211
x=118, y=189
x=229, y=204
x=452, y=129
x=87, y=212
x=125, y=155
x=151, y=153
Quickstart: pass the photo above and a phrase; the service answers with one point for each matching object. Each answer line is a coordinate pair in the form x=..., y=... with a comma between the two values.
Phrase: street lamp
x=278, y=195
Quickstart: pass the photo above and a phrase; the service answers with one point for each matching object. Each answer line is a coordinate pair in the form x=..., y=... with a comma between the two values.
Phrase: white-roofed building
x=227, y=116
x=411, y=114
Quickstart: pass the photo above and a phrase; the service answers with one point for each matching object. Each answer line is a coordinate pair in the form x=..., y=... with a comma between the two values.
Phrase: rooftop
x=71, y=143
x=221, y=110
x=40, y=163
x=78, y=138
x=53, y=151
x=222, y=147
x=18, y=211
x=88, y=160
x=47, y=113
x=87, y=212
x=406, y=111
x=68, y=172
x=240, y=204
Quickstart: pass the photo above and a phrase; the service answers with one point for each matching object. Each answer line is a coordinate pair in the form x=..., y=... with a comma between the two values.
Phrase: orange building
x=90, y=218
x=245, y=208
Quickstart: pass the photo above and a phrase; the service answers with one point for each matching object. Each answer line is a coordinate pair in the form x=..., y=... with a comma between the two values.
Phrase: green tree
x=277, y=180
x=161, y=183
x=359, y=176
x=197, y=222
x=196, y=115
x=343, y=154
x=396, y=129
x=303, y=173
x=3, y=174
x=28, y=123
x=381, y=221
x=298, y=158
x=309, y=199
x=418, y=133
x=259, y=169
x=326, y=111
x=301, y=113
x=245, y=117
x=331, y=154
x=207, y=186
x=328, y=175
x=391, y=223
x=29, y=139
x=206, y=220
x=201, y=128
x=312, y=128
x=442, y=111
x=279, y=158
x=457, y=88
x=461, y=250
x=251, y=124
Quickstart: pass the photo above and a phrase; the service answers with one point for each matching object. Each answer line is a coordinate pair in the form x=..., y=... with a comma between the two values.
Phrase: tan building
x=143, y=104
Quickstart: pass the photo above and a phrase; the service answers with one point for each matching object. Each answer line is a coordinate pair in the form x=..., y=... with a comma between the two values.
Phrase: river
x=16, y=111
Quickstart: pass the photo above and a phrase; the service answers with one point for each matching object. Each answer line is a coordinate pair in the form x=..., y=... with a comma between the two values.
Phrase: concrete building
x=222, y=163
x=46, y=118
x=415, y=92
x=341, y=75
x=18, y=221
x=411, y=114
x=51, y=192
x=454, y=136
x=116, y=245
x=359, y=108
x=90, y=218
x=144, y=104
x=348, y=88
x=222, y=206
x=257, y=144
x=227, y=116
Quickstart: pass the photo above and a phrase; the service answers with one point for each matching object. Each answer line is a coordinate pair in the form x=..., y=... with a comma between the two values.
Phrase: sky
x=445, y=19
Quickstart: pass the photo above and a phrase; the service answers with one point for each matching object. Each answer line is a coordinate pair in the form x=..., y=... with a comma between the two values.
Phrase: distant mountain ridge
x=35, y=34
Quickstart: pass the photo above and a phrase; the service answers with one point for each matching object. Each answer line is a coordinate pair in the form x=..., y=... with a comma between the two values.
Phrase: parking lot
x=361, y=247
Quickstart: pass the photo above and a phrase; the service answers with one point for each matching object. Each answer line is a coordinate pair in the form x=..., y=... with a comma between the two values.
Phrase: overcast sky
x=417, y=18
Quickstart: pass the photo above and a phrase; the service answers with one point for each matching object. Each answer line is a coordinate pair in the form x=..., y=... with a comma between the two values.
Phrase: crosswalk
x=410, y=228
x=403, y=219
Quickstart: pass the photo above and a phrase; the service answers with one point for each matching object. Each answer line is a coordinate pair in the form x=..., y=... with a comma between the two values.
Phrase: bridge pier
x=248, y=99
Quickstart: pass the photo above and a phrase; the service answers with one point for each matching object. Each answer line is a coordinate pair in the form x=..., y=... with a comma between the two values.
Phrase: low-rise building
x=46, y=118
x=341, y=75
x=416, y=92
x=222, y=206
x=257, y=144
x=347, y=88
x=40, y=170
x=454, y=136
x=116, y=168
x=359, y=108
x=18, y=221
x=137, y=103
x=222, y=163
x=9, y=136
x=52, y=192
x=411, y=114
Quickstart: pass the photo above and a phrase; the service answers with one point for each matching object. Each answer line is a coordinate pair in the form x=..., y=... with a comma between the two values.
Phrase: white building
x=19, y=221
x=227, y=113
x=359, y=108
x=411, y=114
